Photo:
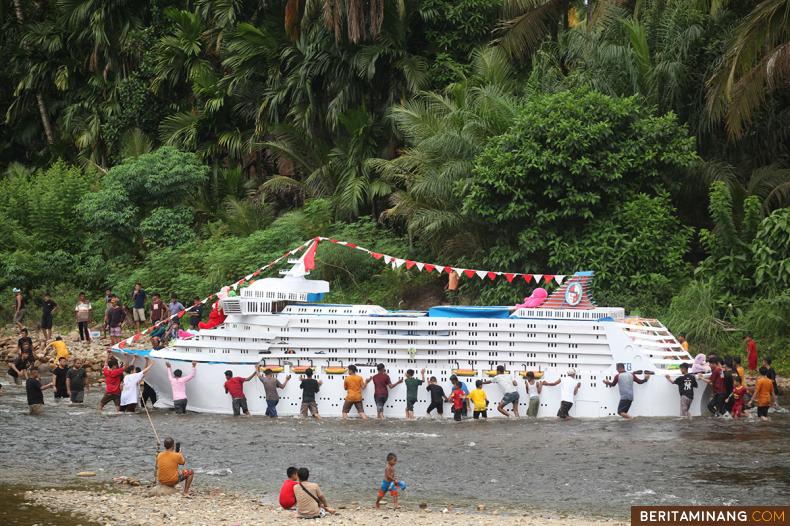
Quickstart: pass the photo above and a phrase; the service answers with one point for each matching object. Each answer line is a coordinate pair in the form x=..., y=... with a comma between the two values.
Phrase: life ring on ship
x=494, y=372
x=538, y=374
x=464, y=372
x=335, y=370
x=272, y=368
x=300, y=369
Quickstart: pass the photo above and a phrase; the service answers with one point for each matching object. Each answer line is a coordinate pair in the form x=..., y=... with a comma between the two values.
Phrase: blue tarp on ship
x=469, y=312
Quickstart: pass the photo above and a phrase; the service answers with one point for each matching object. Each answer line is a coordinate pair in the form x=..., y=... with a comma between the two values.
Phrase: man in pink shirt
x=179, y=386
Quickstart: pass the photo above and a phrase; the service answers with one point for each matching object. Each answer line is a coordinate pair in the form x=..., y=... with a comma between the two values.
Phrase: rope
x=156, y=436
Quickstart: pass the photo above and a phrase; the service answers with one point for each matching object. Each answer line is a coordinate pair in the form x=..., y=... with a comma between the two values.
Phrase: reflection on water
x=582, y=466
x=14, y=511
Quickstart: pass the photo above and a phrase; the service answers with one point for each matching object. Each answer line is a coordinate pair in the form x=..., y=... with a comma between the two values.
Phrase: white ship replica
x=280, y=324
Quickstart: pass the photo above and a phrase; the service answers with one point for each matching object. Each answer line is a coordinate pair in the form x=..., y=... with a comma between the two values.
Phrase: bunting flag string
x=394, y=262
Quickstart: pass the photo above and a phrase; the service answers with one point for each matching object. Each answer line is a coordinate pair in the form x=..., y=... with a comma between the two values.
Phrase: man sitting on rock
x=310, y=501
x=167, y=463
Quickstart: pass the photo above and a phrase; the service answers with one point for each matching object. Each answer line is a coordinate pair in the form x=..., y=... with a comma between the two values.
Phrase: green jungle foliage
x=183, y=144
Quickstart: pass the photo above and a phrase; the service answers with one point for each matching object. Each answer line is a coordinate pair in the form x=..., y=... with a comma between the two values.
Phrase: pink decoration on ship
x=536, y=299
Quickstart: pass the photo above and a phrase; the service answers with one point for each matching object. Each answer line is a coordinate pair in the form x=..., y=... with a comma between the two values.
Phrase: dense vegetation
x=183, y=143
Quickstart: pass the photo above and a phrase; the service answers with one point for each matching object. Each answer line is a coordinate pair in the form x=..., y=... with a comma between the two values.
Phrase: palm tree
x=755, y=66
x=443, y=133
x=352, y=20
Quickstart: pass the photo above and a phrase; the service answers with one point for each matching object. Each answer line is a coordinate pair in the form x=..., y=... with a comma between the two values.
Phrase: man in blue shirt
x=138, y=305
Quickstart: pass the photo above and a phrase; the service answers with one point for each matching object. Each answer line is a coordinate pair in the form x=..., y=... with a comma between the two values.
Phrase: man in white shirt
x=568, y=389
x=130, y=394
x=509, y=393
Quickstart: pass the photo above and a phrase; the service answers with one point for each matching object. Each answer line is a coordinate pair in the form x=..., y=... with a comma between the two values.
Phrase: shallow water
x=587, y=467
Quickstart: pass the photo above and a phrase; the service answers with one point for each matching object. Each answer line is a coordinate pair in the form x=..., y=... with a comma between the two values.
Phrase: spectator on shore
x=234, y=386
x=157, y=309
x=412, y=384
x=479, y=401
x=130, y=395
x=310, y=501
x=309, y=386
x=381, y=386
x=354, y=384
x=509, y=395
x=533, y=392
x=391, y=482
x=167, y=463
x=683, y=342
x=686, y=384
x=113, y=373
x=138, y=306
x=24, y=338
x=763, y=394
x=108, y=295
x=82, y=313
x=570, y=386
x=115, y=320
x=287, y=497
x=20, y=306
x=751, y=352
x=178, y=383
x=716, y=381
x=76, y=382
x=18, y=369
x=60, y=348
x=270, y=386
x=48, y=308
x=625, y=381
x=60, y=375
x=35, y=396
x=438, y=398
x=174, y=306
x=195, y=314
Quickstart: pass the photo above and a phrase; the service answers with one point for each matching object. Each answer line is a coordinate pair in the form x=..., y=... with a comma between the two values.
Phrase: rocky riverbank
x=133, y=506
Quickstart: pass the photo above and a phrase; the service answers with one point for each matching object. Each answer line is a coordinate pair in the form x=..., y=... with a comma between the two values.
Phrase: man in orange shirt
x=763, y=394
x=354, y=384
x=167, y=463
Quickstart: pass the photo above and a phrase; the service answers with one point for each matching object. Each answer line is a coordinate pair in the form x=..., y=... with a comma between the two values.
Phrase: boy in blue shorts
x=390, y=482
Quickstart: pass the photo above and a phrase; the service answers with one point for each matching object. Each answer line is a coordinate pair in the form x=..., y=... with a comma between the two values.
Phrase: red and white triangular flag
x=537, y=277
x=481, y=273
x=559, y=279
x=419, y=265
x=548, y=278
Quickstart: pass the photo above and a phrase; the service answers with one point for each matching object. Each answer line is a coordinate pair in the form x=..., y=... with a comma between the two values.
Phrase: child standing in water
x=390, y=482
x=738, y=395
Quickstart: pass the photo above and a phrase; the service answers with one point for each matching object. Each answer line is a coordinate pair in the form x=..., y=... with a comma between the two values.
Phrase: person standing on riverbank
x=533, y=392
x=34, y=391
x=76, y=382
x=130, y=395
x=310, y=501
x=115, y=320
x=48, y=308
x=354, y=385
x=683, y=342
x=138, y=306
x=270, y=386
x=309, y=386
x=167, y=463
x=157, y=309
x=625, y=381
x=178, y=384
x=391, y=482
x=82, y=314
x=568, y=389
x=234, y=386
x=509, y=395
x=60, y=374
x=412, y=384
x=175, y=306
x=686, y=384
x=112, y=382
x=382, y=384
x=19, y=308
x=751, y=352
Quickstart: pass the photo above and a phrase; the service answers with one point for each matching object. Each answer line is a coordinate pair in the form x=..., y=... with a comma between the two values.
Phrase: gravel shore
x=133, y=506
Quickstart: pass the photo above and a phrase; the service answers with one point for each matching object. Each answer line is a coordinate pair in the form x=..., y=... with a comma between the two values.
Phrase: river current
x=583, y=467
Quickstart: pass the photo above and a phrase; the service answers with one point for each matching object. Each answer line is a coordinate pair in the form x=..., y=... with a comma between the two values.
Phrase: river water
x=583, y=467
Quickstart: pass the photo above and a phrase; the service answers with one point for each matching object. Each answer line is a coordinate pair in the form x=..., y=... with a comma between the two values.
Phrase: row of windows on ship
x=411, y=323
